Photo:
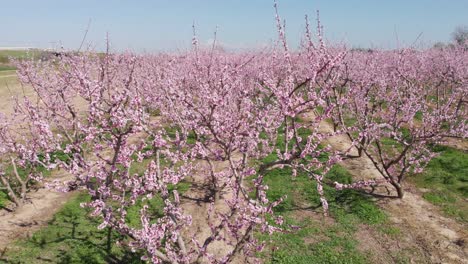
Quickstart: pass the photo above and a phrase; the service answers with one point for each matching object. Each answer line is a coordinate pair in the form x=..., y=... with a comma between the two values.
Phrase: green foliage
x=302, y=132
x=390, y=145
x=349, y=121
x=172, y=130
x=418, y=116
x=57, y=155
x=155, y=205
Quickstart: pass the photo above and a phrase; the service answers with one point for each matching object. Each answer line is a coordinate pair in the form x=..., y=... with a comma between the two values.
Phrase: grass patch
x=318, y=241
x=446, y=177
x=3, y=199
x=70, y=237
x=314, y=244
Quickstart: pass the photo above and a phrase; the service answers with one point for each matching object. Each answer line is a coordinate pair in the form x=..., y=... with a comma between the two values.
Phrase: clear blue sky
x=166, y=25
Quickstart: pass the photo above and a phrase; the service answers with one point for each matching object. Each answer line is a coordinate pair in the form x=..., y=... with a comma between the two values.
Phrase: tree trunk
x=398, y=188
x=24, y=186
x=109, y=241
x=11, y=194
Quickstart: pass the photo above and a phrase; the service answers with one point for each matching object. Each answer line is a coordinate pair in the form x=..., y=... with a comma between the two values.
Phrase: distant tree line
x=459, y=38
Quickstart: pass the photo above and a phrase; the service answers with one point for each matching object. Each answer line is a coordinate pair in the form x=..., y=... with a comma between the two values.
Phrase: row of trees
x=459, y=39
x=99, y=117
x=395, y=105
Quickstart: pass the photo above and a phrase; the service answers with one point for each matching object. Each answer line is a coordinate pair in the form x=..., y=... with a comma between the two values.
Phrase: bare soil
x=40, y=208
x=196, y=202
x=10, y=87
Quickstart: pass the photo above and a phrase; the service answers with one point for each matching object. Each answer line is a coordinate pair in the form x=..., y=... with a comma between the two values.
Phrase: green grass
x=446, y=177
x=316, y=241
x=3, y=199
x=314, y=244
x=70, y=237
x=7, y=72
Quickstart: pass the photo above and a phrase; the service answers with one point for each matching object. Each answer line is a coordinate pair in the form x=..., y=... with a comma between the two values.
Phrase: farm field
x=6, y=57
x=319, y=153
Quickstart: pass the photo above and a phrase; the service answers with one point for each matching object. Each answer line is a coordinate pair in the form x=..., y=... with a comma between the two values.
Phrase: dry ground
x=42, y=204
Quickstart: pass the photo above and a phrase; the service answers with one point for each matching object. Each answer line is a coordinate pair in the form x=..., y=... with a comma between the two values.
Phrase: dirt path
x=196, y=203
x=457, y=143
x=435, y=238
x=7, y=76
x=42, y=204
x=9, y=87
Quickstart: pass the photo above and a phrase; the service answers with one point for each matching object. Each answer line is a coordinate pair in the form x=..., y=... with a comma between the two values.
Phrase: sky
x=164, y=25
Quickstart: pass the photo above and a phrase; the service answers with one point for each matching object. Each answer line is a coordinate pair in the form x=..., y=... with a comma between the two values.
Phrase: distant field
x=9, y=86
x=6, y=55
x=6, y=68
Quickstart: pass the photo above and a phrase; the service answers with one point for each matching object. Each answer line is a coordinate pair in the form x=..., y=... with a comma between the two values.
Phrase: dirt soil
x=195, y=202
x=426, y=235
x=9, y=87
x=40, y=208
